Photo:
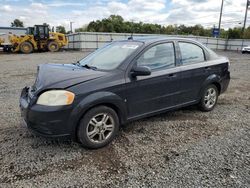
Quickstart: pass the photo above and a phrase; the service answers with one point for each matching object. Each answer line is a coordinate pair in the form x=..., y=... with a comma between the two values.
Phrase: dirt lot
x=184, y=148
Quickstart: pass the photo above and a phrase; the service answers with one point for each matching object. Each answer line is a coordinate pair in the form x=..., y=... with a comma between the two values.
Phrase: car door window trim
x=185, y=68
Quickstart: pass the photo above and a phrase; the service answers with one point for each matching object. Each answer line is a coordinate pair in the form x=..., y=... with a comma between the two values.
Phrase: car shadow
x=172, y=115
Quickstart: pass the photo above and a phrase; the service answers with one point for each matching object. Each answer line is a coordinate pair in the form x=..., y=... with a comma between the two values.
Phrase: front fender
x=94, y=99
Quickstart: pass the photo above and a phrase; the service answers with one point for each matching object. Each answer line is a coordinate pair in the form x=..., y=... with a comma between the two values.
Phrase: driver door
x=158, y=91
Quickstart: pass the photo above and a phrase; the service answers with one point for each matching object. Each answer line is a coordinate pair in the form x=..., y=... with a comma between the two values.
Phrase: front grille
x=30, y=93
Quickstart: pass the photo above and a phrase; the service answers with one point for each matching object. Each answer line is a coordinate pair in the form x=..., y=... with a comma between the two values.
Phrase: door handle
x=171, y=75
x=207, y=68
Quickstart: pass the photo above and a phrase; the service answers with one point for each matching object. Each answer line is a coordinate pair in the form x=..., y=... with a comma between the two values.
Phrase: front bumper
x=43, y=120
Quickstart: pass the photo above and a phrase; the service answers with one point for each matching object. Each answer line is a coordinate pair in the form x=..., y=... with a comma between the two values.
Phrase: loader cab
x=41, y=32
x=30, y=31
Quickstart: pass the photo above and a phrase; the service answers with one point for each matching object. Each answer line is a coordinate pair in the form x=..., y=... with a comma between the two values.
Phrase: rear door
x=193, y=70
x=146, y=94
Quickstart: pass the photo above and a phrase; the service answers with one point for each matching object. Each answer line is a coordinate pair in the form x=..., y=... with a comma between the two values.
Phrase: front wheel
x=53, y=46
x=26, y=47
x=98, y=127
x=209, y=98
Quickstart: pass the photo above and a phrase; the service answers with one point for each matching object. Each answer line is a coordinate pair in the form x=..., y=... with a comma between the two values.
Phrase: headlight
x=56, y=98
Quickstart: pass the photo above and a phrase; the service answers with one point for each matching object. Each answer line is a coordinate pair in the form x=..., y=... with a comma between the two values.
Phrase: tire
x=209, y=98
x=93, y=132
x=5, y=49
x=53, y=46
x=26, y=47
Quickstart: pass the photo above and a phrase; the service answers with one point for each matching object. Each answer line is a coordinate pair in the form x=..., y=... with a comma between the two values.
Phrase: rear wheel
x=53, y=46
x=209, y=98
x=26, y=48
x=98, y=127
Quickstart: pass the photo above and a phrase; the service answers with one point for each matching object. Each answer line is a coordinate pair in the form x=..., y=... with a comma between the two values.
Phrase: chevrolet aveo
x=120, y=82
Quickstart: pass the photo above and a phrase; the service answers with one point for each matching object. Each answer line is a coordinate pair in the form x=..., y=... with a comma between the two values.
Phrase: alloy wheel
x=100, y=128
x=210, y=98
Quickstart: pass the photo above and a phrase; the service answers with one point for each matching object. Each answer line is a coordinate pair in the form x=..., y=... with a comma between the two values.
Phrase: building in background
x=4, y=31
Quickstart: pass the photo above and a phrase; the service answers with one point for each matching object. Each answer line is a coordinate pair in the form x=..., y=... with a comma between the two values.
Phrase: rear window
x=191, y=53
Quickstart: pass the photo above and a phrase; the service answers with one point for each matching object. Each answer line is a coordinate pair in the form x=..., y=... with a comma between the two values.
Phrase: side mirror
x=140, y=71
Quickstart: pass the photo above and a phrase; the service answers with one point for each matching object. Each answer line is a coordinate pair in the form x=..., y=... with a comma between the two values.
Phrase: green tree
x=198, y=30
x=235, y=33
x=60, y=29
x=115, y=23
x=17, y=23
x=169, y=30
x=246, y=34
x=81, y=29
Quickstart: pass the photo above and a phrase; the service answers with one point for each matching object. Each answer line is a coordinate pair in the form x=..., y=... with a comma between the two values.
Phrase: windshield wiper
x=77, y=63
x=89, y=66
x=86, y=65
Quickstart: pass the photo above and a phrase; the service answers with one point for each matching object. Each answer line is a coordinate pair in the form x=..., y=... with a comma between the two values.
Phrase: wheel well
x=218, y=86
x=115, y=108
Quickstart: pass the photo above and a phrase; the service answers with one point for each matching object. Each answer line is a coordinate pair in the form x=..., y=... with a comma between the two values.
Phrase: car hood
x=63, y=76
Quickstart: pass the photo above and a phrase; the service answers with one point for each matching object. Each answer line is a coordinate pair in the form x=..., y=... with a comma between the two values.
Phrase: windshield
x=111, y=55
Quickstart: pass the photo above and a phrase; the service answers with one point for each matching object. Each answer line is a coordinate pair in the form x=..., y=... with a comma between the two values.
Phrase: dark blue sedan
x=121, y=82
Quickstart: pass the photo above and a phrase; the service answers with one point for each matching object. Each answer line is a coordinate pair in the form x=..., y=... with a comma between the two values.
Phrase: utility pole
x=221, y=8
x=245, y=20
x=71, y=30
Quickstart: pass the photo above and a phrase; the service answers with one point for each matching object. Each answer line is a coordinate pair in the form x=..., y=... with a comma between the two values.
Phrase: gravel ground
x=183, y=148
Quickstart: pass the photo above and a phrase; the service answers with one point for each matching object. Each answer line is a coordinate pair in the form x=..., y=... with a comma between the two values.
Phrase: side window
x=158, y=56
x=41, y=30
x=46, y=30
x=191, y=53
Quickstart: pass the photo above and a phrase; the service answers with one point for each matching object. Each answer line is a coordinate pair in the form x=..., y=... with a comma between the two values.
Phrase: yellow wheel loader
x=1, y=41
x=38, y=38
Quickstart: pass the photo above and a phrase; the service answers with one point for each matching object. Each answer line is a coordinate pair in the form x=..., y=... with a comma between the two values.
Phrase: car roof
x=152, y=39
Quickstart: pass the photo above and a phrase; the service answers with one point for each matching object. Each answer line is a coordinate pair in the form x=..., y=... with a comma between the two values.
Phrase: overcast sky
x=59, y=12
